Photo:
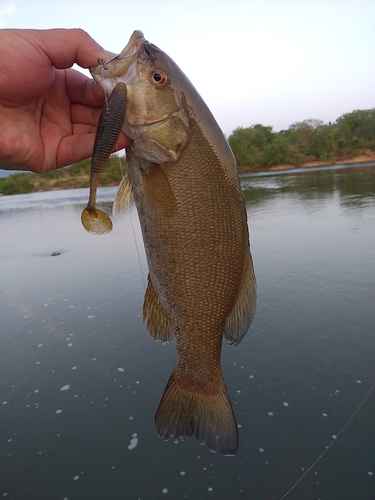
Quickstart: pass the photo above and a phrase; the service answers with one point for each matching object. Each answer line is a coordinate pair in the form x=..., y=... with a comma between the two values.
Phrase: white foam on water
x=65, y=388
x=133, y=442
x=164, y=490
x=261, y=450
x=70, y=344
x=58, y=411
x=324, y=414
x=370, y=473
x=359, y=381
x=182, y=473
x=285, y=404
x=75, y=478
x=90, y=317
x=74, y=368
x=270, y=414
x=210, y=488
x=5, y=402
x=120, y=369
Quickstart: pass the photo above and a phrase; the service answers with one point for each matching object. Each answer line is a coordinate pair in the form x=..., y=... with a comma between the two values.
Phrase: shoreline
x=367, y=158
x=363, y=158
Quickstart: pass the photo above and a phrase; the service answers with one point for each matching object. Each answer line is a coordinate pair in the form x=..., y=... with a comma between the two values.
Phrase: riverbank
x=78, y=176
x=75, y=176
x=368, y=156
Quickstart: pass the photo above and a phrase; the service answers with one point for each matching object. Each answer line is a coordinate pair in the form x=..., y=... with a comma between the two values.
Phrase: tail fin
x=210, y=419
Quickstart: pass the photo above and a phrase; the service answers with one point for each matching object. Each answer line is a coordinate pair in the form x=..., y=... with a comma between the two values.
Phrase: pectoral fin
x=124, y=197
x=157, y=320
x=158, y=191
x=238, y=320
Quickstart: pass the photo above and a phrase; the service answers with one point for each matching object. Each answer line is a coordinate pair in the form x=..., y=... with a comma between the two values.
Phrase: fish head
x=155, y=117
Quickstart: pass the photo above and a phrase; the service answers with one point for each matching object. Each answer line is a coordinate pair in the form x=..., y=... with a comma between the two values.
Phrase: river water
x=80, y=379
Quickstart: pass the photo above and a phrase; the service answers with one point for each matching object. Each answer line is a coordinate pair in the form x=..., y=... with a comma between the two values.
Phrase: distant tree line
x=75, y=176
x=255, y=148
x=259, y=147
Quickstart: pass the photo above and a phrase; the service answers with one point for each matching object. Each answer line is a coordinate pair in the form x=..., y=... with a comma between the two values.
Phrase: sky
x=273, y=62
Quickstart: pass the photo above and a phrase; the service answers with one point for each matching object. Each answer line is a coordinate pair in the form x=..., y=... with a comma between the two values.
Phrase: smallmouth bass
x=183, y=177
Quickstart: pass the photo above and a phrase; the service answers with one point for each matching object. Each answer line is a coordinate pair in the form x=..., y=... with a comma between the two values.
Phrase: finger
x=87, y=115
x=87, y=119
x=83, y=90
x=64, y=47
x=75, y=148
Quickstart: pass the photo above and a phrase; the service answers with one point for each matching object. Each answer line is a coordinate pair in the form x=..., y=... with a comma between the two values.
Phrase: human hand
x=49, y=112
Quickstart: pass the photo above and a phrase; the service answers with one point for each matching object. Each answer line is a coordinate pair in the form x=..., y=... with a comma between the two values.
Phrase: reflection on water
x=80, y=379
x=352, y=185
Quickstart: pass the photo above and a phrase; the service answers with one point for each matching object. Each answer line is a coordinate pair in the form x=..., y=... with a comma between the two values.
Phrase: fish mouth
x=121, y=66
x=126, y=56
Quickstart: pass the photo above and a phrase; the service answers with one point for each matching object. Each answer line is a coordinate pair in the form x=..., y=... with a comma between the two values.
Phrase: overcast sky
x=273, y=62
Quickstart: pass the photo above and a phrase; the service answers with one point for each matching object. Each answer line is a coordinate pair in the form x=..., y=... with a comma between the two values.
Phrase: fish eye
x=159, y=77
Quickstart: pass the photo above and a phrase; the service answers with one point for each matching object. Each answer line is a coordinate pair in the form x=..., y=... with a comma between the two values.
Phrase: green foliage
x=277, y=151
x=248, y=143
x=16, y=184
x=75, y=176
x=356, y=130
x=258, y=147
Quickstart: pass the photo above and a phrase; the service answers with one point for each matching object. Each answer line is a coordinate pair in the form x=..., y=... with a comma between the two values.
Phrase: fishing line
x=119, y=160
x=333, y=441
x=138, y=254
x=103, y=67
x=135, y=240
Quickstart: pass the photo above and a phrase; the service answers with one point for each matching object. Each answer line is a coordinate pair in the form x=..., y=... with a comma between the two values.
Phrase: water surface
x=80, y=379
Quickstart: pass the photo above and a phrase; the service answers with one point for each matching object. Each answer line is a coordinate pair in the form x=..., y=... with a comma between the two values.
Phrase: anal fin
x=238, y=320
